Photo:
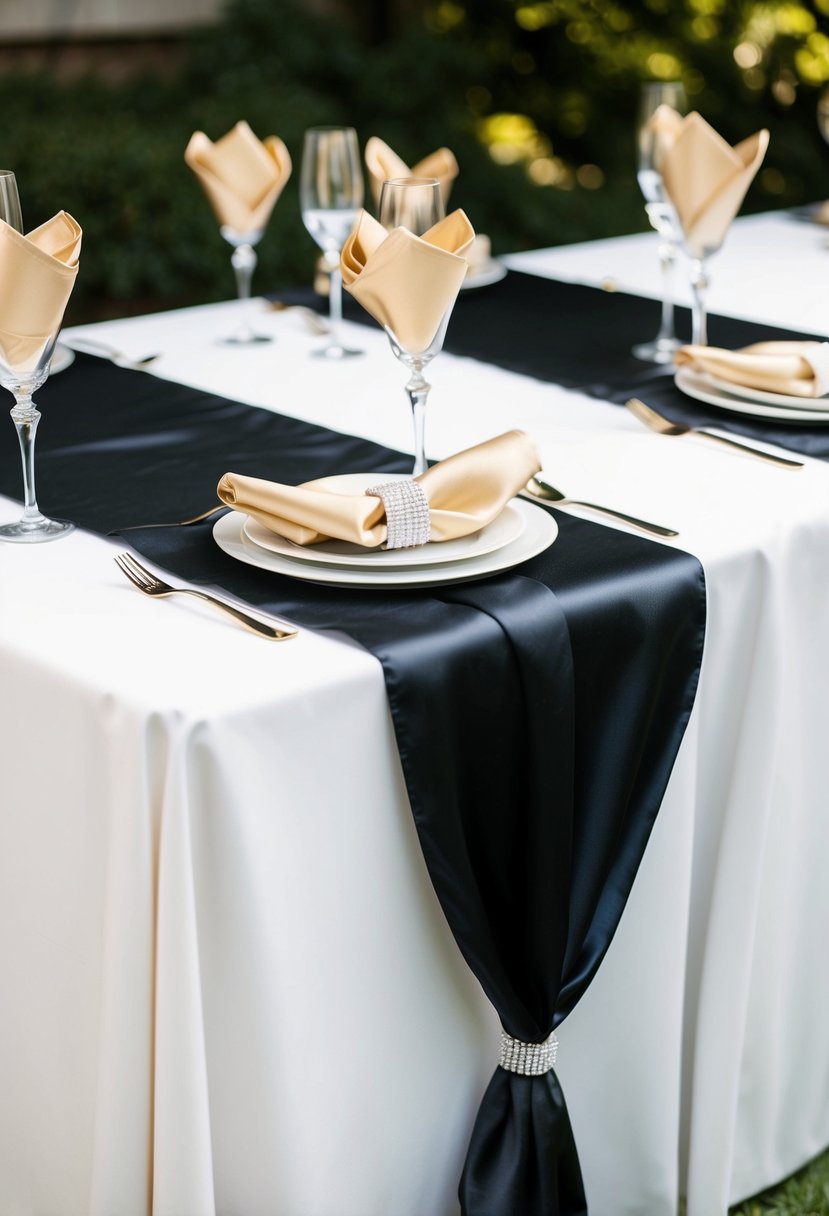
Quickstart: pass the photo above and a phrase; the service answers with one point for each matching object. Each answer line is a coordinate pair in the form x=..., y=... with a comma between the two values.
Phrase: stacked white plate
x=752, y=401
x=520, y=532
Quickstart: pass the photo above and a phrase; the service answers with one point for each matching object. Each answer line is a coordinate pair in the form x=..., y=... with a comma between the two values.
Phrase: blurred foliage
x=806, y=1193
x=537, y=98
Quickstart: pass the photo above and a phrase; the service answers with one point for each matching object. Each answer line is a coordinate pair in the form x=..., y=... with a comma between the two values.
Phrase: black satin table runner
x=537, y=714
x=581, y=337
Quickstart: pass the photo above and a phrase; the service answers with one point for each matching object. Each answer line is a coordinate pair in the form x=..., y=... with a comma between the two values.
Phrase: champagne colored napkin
x=241, y=175
x=407, y=282
x=383, y=164
x=798, y=369
x=465, y=493
x=704, y=177
x=37, y=274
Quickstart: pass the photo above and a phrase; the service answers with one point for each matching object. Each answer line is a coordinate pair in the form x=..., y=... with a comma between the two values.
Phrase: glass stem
x=25, y=418
x=667, y=261
x=418, y=390
x=243, y=261
x=335, y=297
x=699, y=286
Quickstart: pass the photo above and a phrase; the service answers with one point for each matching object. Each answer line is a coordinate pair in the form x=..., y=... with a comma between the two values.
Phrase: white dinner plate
x=62, y=357
x=764, y=397
x=699, y=386
x=490, y=272
x=502, y=531
x=539, y=532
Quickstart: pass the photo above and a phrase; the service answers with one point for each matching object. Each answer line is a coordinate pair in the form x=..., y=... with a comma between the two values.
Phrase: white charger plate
x=62, y=357
x=539, y=531
x=490, y=272
x=700, y=387
x=502, y=531
x=764, y=397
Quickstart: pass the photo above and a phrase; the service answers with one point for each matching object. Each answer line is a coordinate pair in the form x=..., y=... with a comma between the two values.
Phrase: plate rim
x=761, y=396
x=411, y=578
x=494, y=272
x=396, y=560
x=736, y=405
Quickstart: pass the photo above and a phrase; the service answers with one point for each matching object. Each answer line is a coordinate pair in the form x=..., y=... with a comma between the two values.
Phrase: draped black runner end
x=537, y=713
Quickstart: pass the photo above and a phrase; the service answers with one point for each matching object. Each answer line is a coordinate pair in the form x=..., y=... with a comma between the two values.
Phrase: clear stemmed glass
x=330, y=196
x=660, y=213
x=22, y=371
x=415, y=203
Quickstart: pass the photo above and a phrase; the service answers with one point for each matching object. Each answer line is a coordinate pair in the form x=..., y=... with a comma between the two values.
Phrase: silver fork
x=664, y=426
x=150, y=584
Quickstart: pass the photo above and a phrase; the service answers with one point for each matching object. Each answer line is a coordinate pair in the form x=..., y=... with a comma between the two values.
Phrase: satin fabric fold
x=705, y=178
x=241, y=176
x=465, y=492
x=407, y=283
x=383, y=163
x=798, y=369
x=37, y=275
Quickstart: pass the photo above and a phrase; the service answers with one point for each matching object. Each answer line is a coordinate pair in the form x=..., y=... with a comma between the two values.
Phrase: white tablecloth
x=227, y=985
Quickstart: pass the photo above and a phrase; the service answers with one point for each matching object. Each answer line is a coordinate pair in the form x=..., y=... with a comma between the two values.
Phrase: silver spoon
x=539, y=488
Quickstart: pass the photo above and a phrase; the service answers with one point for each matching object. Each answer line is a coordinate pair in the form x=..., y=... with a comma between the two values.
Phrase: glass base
x=661, y=350
x=31, y=533
x=335, y=351
x=245, y=339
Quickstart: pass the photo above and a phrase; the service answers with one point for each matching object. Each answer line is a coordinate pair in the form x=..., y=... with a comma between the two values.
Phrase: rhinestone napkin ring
x=407, y=513
x=528, y=1059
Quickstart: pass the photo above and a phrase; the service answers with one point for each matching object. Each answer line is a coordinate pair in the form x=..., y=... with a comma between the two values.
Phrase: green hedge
x=570, y=69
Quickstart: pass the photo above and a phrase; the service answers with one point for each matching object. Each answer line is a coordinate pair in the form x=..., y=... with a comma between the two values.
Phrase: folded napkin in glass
x=794, y=369
x=407, y=282
x=384, y=164
x=241, y=175
x=704, y=177
x=40, y=270
x=454, y=498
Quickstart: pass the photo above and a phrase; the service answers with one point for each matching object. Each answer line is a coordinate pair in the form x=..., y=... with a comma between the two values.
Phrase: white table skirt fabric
x=228, y=989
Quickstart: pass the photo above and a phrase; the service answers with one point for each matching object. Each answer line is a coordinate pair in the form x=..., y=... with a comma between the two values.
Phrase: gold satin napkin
x=241, y=175
x=37, y=274
x=798, y=369
x=407, y=282
x=383, y=164
x=465, y=493
x=704, y=177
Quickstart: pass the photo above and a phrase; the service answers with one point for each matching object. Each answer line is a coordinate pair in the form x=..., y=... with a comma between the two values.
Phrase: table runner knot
x=527, y=1059
x=407, y=512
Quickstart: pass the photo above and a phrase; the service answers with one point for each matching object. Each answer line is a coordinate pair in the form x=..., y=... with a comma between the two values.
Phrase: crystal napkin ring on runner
x=527, y=1059
x=407, y=513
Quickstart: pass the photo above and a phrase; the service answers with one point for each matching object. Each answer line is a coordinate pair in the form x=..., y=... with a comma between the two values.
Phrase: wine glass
x=661, y=215
x=415, y=203
x=24, y=366
x=330, y=196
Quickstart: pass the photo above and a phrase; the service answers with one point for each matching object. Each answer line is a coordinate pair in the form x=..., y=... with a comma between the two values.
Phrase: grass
x=806, y=1193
